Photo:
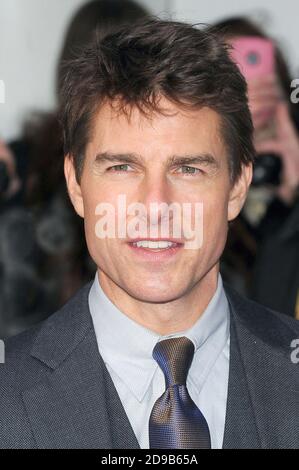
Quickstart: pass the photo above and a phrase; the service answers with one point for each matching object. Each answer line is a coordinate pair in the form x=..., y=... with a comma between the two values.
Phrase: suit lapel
x=263, y=395
x=76, y=405
x=240, y=425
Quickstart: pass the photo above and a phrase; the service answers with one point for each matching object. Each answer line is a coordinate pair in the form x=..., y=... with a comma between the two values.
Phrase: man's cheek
x=214, y=226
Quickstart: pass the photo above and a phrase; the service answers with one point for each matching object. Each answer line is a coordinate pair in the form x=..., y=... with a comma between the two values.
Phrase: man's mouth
x=161, y=247
x=155, y=245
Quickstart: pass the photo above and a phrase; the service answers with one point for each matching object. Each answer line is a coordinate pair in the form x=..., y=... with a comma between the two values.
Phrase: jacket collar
x=62, y=332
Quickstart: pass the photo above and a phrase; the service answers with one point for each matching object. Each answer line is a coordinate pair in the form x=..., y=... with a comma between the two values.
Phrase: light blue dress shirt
x=126, y=348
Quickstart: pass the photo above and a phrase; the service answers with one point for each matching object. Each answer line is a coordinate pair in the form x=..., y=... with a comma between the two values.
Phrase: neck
x=165, y=318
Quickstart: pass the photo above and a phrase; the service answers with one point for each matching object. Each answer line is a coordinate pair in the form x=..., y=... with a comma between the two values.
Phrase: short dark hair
x=137, y=65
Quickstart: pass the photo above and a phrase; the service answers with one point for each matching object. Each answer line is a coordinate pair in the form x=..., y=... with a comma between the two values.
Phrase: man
x=156, y=352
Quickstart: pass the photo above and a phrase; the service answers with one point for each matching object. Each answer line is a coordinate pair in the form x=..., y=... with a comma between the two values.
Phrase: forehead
x=176, y=129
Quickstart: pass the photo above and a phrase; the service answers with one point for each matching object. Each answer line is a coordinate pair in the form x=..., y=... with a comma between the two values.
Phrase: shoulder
x=16, y=352
x=269, y=325
x=19, y=366
x=15, y=373
x=30, y=359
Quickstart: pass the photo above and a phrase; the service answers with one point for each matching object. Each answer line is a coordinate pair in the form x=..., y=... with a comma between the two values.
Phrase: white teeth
x=153, y=245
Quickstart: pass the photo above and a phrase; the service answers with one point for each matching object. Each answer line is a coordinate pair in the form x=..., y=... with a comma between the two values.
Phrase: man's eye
x=190, y=170
x=123, y=167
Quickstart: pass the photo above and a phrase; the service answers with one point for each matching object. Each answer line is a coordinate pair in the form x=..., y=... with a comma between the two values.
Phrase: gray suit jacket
x=55, y=390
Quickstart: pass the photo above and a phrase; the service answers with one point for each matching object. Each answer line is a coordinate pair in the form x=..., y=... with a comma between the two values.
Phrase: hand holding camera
x=285, y=143
x=276, y=138
x=9, y=180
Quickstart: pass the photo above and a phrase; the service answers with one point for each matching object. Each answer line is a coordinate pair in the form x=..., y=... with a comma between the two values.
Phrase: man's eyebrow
x=206, y=159
x=201, y=159
x=115, y=157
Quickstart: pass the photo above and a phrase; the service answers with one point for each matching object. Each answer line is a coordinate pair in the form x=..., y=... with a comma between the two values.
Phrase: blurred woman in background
x=43, y=256
x=262, y=254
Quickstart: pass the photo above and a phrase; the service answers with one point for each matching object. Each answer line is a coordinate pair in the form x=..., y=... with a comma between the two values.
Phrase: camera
x=267, y=170
x=4, y=178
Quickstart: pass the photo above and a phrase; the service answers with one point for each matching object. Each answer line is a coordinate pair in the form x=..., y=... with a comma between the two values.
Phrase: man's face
x=166, y=159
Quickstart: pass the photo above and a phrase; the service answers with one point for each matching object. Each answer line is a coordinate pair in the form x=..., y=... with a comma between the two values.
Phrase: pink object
x=254, y=56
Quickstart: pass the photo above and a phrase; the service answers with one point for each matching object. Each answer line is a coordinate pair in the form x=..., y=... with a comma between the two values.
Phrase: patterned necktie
x=175, y=421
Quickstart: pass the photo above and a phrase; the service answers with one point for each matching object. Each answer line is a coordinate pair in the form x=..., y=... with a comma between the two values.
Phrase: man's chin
x=155, y=295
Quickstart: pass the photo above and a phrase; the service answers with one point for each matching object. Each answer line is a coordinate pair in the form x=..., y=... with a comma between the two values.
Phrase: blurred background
x=43, y=257
x=32, y=32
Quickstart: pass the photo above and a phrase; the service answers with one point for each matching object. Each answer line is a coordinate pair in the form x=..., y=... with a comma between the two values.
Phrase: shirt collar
x=126, y=346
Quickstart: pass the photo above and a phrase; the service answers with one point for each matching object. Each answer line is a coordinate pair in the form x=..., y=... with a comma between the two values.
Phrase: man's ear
x=238, y=192
x=74, y=188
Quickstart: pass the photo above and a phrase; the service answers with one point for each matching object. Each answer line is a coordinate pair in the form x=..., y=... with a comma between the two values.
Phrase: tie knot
x=174, y=356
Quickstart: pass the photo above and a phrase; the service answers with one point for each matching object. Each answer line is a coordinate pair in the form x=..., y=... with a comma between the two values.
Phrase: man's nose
x=156, y=195
x=155, y=188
